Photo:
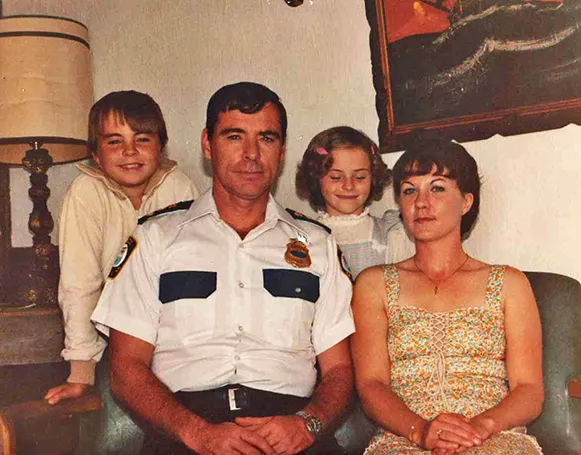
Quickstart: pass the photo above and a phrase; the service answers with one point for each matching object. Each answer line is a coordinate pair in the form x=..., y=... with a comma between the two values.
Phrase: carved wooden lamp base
x=37, y=282
x=40, y=281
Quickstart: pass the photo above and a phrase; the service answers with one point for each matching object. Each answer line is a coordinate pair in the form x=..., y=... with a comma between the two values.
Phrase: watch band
x=313, y=424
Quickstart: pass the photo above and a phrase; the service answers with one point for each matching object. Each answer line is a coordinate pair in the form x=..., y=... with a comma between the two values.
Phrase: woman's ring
x=439, y=433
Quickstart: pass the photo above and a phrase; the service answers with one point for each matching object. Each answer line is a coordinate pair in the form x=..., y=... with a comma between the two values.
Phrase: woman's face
x=432, y=206
x=346, y=186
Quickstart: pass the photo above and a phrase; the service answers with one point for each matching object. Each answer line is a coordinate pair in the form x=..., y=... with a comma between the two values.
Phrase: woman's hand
x=483, y=425
x=448, y=434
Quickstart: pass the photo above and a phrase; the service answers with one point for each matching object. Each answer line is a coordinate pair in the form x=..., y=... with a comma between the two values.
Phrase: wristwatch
x=314, y=425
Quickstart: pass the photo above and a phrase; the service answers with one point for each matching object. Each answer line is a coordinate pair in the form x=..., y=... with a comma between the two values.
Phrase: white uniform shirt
x=220, y=310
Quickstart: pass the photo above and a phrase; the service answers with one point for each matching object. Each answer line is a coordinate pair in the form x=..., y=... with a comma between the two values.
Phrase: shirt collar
x=205, y=205
x=202, y=206
x=285, y=217
x=166, y=166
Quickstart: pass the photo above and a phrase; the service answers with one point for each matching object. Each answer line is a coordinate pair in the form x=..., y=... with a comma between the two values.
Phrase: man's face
x=246, y=151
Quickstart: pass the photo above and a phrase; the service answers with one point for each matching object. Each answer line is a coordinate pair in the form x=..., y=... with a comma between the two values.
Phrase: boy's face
x=127, y=157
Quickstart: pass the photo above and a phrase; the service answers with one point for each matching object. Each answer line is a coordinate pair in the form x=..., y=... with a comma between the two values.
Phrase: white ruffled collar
x=324, y=216
x=349, y=229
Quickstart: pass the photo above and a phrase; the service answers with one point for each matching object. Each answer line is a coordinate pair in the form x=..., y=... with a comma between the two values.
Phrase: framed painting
x=469, y=69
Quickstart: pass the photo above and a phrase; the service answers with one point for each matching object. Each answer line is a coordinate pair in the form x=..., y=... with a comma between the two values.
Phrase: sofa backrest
x=558, y=429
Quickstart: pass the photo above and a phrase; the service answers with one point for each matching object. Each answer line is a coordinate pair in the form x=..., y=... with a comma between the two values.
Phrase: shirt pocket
x=291, y=307
x=188, y=294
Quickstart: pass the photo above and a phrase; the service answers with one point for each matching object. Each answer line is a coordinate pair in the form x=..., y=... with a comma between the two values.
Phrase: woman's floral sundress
x=451, y=361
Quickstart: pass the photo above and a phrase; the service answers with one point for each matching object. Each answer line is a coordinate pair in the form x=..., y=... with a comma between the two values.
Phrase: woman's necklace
x=438, y=283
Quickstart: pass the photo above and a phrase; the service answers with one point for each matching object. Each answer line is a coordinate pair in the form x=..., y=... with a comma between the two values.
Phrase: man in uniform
x=218, y=311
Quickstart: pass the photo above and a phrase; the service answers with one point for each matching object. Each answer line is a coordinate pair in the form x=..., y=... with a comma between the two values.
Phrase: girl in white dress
x=341, y=174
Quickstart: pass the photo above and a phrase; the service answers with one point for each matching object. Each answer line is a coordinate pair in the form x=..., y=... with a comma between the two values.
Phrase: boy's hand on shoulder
x=66, y=391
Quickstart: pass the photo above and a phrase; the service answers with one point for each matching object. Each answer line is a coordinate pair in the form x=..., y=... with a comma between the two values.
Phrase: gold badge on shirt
x=297, y=254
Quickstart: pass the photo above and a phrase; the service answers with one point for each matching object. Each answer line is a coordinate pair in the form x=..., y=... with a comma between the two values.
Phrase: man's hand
x=230, y=439
x=66, y=391
x=286, y=434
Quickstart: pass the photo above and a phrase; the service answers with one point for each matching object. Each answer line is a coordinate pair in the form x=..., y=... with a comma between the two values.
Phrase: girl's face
x=432, y=206
x=346, y=186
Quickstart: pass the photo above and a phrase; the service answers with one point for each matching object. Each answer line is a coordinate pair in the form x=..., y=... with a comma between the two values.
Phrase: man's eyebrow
x=227, y=131
x=272, y=133
x=110, y=135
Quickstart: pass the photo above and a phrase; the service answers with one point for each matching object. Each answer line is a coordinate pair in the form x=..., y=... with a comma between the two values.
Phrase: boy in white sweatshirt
x=130, y=177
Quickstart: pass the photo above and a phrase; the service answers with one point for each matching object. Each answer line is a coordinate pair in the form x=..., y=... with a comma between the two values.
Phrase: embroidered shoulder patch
x=299, y=216
x=123, y=257
x=343, y=264
x=183, y=205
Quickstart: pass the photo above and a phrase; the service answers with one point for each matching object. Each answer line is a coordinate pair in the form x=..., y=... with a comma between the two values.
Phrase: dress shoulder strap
x=495, y=283
x=391, y=280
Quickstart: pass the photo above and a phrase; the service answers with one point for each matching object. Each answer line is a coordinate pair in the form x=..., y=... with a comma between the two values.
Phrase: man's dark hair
x=246, y=97
x=137, y=109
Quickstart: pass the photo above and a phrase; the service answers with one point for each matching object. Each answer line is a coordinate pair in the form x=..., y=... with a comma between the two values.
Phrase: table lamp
x=45, y=97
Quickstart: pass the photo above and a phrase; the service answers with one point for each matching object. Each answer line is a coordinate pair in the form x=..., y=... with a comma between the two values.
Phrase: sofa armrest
x=21, y=416
x=574, y=387
x=65, y=408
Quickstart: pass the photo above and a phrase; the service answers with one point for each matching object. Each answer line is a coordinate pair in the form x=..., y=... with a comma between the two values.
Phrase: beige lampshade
x=46, y=89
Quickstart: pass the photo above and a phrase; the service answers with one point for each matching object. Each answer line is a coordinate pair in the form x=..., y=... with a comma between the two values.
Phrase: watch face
x=313, y=424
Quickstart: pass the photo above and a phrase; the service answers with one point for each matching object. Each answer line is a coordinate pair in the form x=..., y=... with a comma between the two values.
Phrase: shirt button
x=240, y=328
x=240, y=284
x=236, y=357
x=298, y=290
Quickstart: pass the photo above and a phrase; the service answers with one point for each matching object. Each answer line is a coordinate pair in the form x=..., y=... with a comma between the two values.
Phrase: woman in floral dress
x=448, y=348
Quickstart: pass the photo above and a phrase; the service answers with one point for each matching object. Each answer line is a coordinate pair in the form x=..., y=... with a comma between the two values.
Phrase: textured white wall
x=316, y=57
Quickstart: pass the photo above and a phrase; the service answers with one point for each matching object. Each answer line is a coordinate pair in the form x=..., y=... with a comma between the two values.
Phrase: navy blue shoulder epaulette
x=299, y=216
x=183, y=205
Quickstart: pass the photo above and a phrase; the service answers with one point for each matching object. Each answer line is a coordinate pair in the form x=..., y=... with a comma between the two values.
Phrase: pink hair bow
x=321, y=151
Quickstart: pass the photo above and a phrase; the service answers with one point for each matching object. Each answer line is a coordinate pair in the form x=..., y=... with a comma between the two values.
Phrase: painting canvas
x=468, y=69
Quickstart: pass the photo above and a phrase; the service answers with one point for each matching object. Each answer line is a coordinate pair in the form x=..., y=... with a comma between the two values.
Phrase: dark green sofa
x=558, y=429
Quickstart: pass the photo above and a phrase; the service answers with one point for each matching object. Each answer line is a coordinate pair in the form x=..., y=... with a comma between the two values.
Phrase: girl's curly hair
x=317, y=161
